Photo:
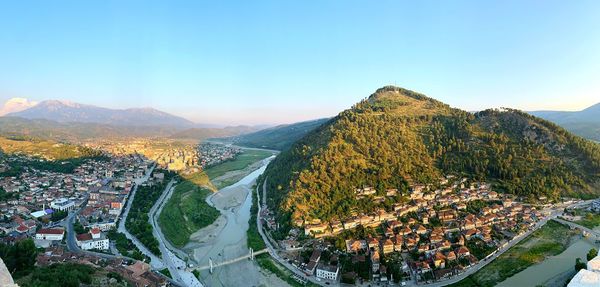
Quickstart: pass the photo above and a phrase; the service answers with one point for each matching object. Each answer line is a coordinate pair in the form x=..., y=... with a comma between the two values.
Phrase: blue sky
x=265, y=62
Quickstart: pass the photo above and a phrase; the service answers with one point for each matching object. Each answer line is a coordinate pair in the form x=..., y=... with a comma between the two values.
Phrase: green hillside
x=397, y=137
x=43, y=155
x=279, y=137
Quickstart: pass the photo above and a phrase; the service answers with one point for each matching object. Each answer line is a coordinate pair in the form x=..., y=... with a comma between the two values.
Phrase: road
x=581, y=227
x=556, y=211
x=155, y=262
x=71, y=240
x=177, y=267
x=272, y=250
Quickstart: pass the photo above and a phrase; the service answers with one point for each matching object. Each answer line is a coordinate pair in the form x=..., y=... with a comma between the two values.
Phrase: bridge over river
x=592, y=234
x=212, y=264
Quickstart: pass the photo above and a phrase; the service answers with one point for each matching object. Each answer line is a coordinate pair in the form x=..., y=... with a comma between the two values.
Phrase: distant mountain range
x=73, y=122
x=585, y=123
x=69, y=112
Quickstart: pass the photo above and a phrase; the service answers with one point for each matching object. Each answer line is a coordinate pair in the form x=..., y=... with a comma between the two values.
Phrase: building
x=326, y=271
x=92, y=240
x=52, y=234
x=594, y=264
x=585, y=278
x=62, y=204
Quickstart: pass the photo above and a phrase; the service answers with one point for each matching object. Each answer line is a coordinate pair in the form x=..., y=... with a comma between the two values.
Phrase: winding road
x=155, y=261
x=176, y=266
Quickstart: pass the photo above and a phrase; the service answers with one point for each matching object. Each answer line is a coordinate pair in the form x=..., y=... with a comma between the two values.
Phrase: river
x=555, y=270
x=229, y=241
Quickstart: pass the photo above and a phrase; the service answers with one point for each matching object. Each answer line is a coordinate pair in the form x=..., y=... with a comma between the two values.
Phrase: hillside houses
x=437, y=228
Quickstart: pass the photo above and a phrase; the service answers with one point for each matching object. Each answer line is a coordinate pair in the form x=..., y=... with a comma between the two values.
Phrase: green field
x=265, y=262
x=552, y=239
x=241, y=161
x=589, y=220
x=254, y=239
x=187, y=211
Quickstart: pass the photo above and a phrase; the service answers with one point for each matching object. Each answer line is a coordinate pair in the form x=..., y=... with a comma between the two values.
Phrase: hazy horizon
x=273, y=63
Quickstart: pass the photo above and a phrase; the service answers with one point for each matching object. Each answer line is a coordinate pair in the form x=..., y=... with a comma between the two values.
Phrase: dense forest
x=397, y=137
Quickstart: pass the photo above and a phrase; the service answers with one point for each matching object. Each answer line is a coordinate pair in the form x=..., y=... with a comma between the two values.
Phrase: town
x=75, y=215
x=439, y=233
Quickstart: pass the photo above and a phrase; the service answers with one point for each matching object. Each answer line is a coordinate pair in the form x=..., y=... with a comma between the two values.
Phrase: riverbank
x=551, y=239
x=554, y=271
x=187, y=211
x=226, y=239
x=229, y=172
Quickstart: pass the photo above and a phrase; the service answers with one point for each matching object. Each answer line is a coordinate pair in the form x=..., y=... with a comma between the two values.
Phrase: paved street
x=272, y=250
x=177, y=267
x=556, y=211
x=155, y=262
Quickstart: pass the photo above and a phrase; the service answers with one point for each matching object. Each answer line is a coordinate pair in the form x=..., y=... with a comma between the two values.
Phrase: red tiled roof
x=84, y=237
x=51, y=231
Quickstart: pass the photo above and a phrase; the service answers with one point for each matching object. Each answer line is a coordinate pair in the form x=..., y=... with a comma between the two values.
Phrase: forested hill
x=397, y=137
x=279, y=137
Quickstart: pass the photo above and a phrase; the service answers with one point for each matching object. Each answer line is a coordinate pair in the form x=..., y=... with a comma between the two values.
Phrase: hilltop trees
x=397, y=137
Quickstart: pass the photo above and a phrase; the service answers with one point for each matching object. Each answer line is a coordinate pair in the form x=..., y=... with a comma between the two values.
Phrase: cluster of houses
x=435, y=226
x=104, y=185
x=322, y=269
x=595, y=206
x=136, y=274
x=212, y=154
x=168, y=154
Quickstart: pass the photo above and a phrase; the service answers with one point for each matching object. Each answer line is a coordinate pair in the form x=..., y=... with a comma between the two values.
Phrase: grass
x=254, y=239
x=265, y=262
x=589, y=220
x=241, y=161
x=166, y=272
x=46, y=149
x=552, y=239
x=187, y=210
x=125, y=246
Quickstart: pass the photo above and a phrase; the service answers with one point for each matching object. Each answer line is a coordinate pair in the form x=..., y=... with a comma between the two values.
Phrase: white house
x=62, y=204
x=52, y=234
x=326, y=271
x=585, y=278
x=594, y=264
x=92, y=240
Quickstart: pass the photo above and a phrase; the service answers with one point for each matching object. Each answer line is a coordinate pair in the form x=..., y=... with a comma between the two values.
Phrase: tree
x=592, y=254
x=579, y=264
x=19, y=258
x=67, y=275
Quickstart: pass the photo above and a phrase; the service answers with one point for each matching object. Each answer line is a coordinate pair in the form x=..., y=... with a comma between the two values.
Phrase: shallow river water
x=553, y=271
